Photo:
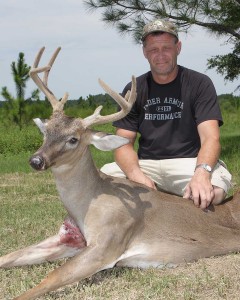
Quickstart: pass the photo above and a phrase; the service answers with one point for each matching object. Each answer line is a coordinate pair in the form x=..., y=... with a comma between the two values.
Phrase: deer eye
x=73, y=141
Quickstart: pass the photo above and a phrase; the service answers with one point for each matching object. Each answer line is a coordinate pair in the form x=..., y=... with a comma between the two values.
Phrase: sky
x=90, y=48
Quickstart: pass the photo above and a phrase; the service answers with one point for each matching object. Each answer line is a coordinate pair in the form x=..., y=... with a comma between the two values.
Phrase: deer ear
x=41, y=124
x=106, y=142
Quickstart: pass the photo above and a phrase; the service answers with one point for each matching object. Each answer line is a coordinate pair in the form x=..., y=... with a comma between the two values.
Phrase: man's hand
x=200, y=189
x=139, y=177
x=127, y=159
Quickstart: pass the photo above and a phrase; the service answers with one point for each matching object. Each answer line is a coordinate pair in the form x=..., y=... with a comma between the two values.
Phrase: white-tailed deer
x=114, y=222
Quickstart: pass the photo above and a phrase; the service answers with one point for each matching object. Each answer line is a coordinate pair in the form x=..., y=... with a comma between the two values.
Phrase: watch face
x=208, y=168
x=205, y=167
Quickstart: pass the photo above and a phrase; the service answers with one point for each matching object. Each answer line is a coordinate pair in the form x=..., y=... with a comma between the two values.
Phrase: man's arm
x=127, y=159
x=200, y=189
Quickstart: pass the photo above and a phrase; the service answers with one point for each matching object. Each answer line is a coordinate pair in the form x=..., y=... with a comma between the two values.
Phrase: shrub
x=14, y=141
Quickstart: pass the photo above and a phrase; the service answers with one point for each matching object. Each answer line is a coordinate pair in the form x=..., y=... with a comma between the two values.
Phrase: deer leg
x=66, y=243
x=86, y=263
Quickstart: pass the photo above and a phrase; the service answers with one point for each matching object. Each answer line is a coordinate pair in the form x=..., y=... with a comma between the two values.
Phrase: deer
x=112, y=221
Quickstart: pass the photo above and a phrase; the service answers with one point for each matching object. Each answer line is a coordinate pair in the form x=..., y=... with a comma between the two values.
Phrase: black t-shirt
x=167, y=115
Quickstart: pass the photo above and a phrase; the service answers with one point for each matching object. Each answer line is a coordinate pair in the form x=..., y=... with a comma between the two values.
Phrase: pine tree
x=220, y=17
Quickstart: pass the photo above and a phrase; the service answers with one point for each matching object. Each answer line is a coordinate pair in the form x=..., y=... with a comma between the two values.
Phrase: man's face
x=161, y=51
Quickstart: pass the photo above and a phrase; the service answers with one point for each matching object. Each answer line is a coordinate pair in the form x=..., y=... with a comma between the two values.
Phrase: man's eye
x=153, y=50
x=167, y=48
x=73, y=141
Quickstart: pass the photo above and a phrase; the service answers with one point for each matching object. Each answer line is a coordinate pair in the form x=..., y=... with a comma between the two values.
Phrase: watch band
x=205, y=167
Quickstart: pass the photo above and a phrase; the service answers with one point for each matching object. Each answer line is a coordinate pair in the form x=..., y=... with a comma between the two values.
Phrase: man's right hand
x=127, y=159
x=139, y=177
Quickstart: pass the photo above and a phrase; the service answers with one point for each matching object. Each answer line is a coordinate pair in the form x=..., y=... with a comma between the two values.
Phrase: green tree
x=220, y=17
x=14, y=107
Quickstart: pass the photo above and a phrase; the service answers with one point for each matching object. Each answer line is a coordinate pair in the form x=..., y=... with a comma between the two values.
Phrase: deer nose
x=37, y=162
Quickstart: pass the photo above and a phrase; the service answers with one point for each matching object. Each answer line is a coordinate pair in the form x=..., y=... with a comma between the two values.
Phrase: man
x=178, y=118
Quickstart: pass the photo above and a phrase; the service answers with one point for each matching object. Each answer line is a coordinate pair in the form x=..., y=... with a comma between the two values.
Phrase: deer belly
x=70, y=234
x=143, y=256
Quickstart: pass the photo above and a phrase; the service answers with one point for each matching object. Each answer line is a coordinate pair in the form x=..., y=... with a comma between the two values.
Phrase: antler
x=43, y=84
x=125, y=103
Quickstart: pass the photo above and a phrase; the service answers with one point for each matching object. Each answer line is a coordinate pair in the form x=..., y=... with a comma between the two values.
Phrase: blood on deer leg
x=67, y=243
x=70, y=235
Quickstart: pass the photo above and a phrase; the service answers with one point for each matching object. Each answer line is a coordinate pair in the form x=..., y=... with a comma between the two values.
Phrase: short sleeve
x=206, y=106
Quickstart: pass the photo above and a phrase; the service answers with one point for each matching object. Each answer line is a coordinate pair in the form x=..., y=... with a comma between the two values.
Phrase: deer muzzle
x=37, y=162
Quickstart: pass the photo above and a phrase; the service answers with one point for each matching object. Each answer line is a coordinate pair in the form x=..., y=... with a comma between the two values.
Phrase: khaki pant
x=172, y=175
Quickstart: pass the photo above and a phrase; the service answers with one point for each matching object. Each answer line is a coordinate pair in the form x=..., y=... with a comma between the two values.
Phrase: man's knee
x=112, y=169
x=220, y=195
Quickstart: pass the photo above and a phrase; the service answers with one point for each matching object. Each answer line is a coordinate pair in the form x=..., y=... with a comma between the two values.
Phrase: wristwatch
x=205, y=167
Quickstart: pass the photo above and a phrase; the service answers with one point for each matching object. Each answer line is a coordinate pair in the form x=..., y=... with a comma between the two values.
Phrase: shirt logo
x=165, y=109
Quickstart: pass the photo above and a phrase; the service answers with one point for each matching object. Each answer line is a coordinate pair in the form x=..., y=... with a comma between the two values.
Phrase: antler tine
x=43, y=84
x=125, y=104
x=38, y=57
x=50, y=64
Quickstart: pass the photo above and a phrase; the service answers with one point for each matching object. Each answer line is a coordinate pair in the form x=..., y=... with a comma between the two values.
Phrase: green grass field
x=31, y=211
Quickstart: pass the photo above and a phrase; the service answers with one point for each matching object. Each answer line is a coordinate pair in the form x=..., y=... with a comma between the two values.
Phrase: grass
x=31, y=211
x=12, y=163
x=230, y=141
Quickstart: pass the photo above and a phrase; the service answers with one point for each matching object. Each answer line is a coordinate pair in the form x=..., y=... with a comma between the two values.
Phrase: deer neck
x=78, y=183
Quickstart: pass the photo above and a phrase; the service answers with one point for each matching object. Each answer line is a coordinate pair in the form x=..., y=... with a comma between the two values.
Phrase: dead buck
x=123, y=223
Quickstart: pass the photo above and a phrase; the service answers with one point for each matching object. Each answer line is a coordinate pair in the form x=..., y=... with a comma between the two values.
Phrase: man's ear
x=106, y=142
x=144, y=52
x=41, y=124
x=179, y=47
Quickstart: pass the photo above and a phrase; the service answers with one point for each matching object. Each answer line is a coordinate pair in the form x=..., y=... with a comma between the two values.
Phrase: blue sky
x=90, y=48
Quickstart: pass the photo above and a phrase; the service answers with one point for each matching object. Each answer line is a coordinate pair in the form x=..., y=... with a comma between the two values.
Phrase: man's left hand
x=200, y=189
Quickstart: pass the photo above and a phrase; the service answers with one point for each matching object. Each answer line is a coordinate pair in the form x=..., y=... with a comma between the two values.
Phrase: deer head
x=63, y=135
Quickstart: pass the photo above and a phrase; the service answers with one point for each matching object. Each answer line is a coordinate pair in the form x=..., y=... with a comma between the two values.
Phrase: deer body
x=123, y=223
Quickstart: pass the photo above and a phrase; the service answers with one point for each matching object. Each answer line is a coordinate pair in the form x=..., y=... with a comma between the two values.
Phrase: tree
x=220, y=17
x=15, y=107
